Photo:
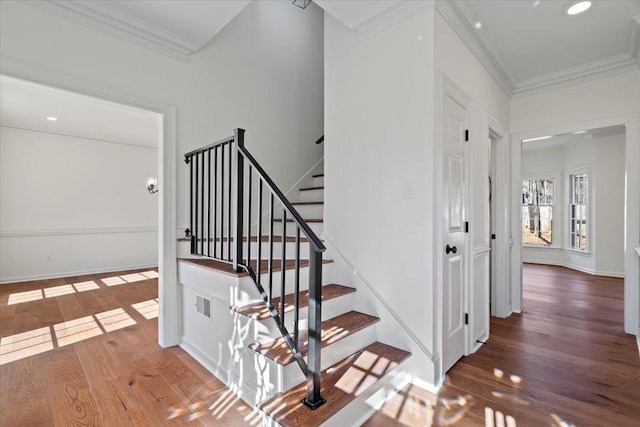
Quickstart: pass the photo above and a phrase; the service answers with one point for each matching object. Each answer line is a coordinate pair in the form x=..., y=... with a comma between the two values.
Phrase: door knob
x=449, y=249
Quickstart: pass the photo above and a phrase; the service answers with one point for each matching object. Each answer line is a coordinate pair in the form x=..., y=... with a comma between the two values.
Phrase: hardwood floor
x=83, y=351
x=564, y=361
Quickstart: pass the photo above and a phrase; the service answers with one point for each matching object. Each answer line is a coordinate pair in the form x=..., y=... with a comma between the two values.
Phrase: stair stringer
x=423, y=365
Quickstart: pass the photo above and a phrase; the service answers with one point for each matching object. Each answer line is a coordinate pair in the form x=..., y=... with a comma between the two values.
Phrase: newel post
x=313, y=399
x=239, y=199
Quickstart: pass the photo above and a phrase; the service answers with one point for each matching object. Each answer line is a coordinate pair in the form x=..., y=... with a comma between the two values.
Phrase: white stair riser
x=330, y=308
x=305, y=211
x=312, y=195
x=242, y=290
x=318, y=181
x=332, y=354
x=317, y=228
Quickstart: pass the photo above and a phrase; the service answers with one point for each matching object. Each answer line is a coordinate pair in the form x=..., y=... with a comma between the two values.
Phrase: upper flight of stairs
x=355, y=365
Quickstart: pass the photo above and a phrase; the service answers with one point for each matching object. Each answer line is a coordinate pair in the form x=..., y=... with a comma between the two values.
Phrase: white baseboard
x=575, y=267
x=7, y=280
x=638, y=340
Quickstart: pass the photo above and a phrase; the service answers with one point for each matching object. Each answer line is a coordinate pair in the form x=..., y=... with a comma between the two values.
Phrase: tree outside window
x=537, y=211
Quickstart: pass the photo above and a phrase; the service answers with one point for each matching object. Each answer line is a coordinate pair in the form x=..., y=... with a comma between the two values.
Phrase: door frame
x=499, y=148
x=169, y=318
x=632, y=209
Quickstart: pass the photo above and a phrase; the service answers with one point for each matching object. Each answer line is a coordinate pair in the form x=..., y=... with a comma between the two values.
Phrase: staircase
x=317, y=360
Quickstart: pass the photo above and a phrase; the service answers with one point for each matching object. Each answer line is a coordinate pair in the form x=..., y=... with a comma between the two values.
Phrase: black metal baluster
x=215, y=202
x=202, y=208
x=313, y=399
x=238, y=259
x=259, y=237
x=270, y=267
x=283, y=244
x=229, y=211
x=209, y=202
x=195, y=232
x=296, y=291
x=249, y=220
x=191, y=247
x=222, y=201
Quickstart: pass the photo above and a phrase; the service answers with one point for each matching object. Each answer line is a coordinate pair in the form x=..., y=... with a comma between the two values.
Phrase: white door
x=454, y=128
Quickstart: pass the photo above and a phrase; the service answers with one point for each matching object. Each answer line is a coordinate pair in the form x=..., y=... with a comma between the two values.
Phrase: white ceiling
x=526, y=45
x=26, y=105
x=566, y=139
x=534, y=39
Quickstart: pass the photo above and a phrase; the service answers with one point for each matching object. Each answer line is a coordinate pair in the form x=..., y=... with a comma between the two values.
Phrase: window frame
x=580, y=171
x=554, y=178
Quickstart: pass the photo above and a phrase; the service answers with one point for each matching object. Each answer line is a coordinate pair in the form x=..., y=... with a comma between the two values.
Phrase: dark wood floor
x=564, y=361
x=83, y=351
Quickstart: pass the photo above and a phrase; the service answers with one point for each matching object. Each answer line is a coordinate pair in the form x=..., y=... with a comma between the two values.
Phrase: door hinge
x=466, y=318
x=466, y=226
x=493, y=237
x=466, y=135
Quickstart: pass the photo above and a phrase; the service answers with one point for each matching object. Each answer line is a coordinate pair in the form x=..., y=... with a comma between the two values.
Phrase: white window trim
x=579, y=170
x=555, y=177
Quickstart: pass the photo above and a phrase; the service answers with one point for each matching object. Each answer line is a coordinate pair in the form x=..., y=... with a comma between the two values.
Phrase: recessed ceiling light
x=52, y=119
x=478, y=25
x=578, y=7
x=536, y=3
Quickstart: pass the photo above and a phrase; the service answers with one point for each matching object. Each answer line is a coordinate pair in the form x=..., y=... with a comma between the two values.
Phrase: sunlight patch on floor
x=76, y=330
x=57, y=291
x=19, y=346
x=113, y=320
x=20, y=297
x=147, y=309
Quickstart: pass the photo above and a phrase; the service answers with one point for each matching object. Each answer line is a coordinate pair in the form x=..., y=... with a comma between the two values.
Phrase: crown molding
x=386, y=15
x=107, y=20
x=459, y=18
x=607, y=67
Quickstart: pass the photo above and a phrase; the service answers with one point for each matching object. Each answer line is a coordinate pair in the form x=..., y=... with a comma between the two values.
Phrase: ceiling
x=25, y=105
x=564, y=140
x=526, y=45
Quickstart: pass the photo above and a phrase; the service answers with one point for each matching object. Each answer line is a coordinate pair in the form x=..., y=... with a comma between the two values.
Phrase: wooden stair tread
x=308, y=203
x=412, y=406
x=333, y=330
x=227, y=267
x=318, y=175
x=341, y=384
x=259, y=310
x=315, y=220
x=312, y=188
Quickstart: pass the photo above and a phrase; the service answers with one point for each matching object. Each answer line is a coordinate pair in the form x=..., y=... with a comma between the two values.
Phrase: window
x=537, y=211
x=578, y=190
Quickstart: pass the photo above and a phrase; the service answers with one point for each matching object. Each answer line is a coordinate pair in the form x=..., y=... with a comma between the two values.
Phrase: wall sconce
x=152, y=185
x=301, y=3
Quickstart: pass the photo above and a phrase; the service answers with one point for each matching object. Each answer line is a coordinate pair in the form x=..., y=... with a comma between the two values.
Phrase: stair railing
x=219, y=188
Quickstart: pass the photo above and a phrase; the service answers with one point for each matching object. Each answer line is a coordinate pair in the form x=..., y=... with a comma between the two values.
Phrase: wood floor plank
x=567, y=350
x=110, y=371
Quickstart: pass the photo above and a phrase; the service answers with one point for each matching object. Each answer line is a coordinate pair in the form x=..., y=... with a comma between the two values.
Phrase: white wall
x=489, y=106
x=609, y=205
x=605, y=102
x=70, y=205
x=603, y=158
x=379, y=140
x=263, y=72
x=381, y=204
